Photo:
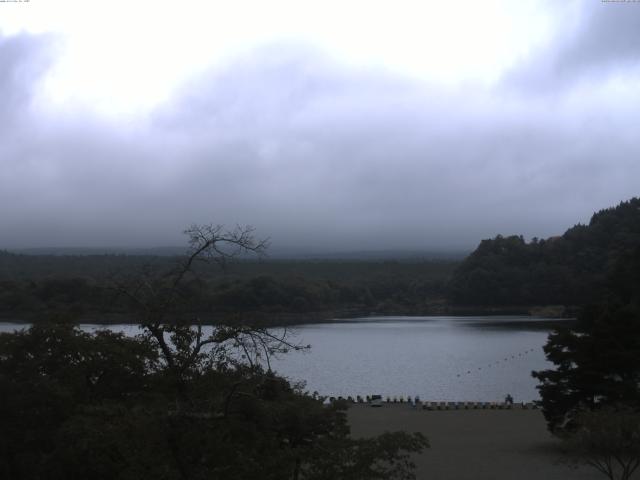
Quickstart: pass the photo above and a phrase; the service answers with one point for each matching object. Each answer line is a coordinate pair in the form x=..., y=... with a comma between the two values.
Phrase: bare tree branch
x=158, y=297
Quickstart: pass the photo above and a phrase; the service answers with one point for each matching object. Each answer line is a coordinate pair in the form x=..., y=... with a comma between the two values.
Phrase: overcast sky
x=327, y=125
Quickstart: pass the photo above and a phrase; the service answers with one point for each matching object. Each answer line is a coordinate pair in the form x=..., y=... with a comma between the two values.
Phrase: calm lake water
x=437, y=358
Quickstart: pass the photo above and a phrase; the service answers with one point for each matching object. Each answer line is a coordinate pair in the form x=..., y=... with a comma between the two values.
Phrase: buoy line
x=508, y=358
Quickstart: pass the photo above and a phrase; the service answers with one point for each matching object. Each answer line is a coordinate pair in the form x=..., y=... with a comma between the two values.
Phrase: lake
x=437, y=358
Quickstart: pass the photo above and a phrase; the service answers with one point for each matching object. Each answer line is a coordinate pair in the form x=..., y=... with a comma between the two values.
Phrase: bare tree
x=159, y=297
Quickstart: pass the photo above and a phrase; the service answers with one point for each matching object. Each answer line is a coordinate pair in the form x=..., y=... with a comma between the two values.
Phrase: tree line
x=34, y=288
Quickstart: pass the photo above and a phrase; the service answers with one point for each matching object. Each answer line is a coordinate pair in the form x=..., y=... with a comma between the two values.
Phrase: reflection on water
x=437, y=358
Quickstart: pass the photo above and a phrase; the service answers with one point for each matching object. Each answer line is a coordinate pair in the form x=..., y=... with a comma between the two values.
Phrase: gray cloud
x=23, y=59
x=317, y=154
x=595, y=41
x=609, y=37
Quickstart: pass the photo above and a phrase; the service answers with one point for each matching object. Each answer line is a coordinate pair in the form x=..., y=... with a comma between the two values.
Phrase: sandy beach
x=475, y=444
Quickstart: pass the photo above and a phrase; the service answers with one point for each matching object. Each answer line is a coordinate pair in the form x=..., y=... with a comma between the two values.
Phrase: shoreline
x=293, y=319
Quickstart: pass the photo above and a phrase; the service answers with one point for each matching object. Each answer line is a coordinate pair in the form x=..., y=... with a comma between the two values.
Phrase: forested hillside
x=570, y=270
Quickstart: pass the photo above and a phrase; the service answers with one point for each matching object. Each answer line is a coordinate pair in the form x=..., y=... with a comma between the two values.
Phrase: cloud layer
x=319, y=154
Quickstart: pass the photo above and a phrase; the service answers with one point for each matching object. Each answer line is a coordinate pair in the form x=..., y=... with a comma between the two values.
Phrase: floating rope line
x=505, y=359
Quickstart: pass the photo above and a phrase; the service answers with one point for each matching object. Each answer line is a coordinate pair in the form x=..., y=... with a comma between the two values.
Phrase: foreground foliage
x=104, y=406
x=177, y=401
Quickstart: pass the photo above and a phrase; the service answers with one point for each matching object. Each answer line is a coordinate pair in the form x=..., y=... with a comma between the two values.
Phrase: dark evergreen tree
x=597, y=362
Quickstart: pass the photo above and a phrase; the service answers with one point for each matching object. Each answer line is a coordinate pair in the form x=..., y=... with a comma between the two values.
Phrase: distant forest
x=571, y=269
x=503, y=275
x=33, y=286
